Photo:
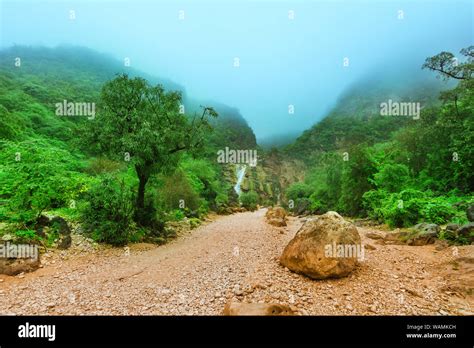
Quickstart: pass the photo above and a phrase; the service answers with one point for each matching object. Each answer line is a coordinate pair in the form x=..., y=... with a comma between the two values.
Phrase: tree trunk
x=140, y=207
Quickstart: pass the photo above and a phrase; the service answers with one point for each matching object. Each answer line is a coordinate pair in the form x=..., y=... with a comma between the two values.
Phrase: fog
x=258, y=56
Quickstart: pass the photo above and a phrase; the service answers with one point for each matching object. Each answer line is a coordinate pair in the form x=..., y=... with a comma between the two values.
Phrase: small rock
x=441, y=244
x=413, y=292
x=234, y=308
x=374, y=235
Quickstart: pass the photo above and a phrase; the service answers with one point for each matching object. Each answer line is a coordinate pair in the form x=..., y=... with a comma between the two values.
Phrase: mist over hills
x=356, y=117
x=78, y=73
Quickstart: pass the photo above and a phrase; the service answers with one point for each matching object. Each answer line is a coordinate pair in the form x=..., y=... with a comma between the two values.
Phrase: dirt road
x=236, y=257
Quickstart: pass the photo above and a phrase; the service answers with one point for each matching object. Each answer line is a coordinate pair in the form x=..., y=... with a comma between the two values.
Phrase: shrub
x=108, y=216
x=437, y=210
x=315, y=204
x=372, y=202
x=177, y=189
x=194, y=222
x=103, y=165
x=301, y=206
x=36, y=176
x=403, y=209
x=176, y=215
x=249, y=200
x=25, y=237
x=392, y=177
x=298, y=190
x=221, y=200
x=408, y=207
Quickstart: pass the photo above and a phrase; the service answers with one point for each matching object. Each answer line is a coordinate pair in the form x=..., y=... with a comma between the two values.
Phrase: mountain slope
x=47, y=76
x=356, y=117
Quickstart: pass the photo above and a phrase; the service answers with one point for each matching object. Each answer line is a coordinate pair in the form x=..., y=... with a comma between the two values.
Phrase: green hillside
x=52, y=164
x=396, y=169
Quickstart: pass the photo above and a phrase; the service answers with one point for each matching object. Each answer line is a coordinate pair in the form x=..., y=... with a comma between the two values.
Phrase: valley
x=142, y=209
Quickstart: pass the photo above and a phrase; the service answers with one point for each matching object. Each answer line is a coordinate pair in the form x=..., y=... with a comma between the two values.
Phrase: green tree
x=249, y=200
x=392, y=177
x=448, y=133
x=143, y=125
x=357, y=179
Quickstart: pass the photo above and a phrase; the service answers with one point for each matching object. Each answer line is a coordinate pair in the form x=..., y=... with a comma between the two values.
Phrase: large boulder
x=325, y=247
x=236, y=308
x=276, y=216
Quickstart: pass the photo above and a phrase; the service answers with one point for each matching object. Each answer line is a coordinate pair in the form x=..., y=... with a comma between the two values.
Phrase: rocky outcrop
x=421, y=234
x=424, y=234
x=61, y=226
x=466, y=231
x=57, y=225
x=325, y=247
x=425, y=228
x=16, y=266
x=266, y=309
